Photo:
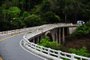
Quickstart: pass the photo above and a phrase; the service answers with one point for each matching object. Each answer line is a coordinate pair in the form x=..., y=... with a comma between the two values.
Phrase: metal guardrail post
x=59, y=54
x=72, y=57
x=49, y=51
x=35, y=47
x=41, y=48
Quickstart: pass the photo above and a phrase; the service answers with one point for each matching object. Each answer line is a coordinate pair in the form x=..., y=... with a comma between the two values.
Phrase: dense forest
x=26, y=13
x=15, y=14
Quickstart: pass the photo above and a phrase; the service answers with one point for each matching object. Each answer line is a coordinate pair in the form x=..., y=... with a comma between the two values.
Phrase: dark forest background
x=16, y=14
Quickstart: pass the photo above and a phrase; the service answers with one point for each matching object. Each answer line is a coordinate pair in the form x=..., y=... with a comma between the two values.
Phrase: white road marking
x=32, y=53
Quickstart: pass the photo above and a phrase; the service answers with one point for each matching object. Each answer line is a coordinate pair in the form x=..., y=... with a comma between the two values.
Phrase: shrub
x=44, y=42
x=81, y=51
x=54, y=45
x=47, y=43
x=25, y=14
x=16, y=23
x=81, y=31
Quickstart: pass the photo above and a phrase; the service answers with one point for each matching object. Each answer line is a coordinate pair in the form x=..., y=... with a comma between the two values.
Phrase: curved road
x=10, y=49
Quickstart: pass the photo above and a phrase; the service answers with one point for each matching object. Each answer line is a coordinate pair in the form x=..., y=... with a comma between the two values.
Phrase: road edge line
x=32, y=52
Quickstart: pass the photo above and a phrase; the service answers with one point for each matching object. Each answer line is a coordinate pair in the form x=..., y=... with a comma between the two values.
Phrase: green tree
x=42, y=7
x=33, y=20
x=50, y=17
x=14, y=11
x=81, y=31
x=16, y=23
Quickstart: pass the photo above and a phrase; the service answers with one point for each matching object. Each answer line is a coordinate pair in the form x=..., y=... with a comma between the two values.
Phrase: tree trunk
x=65, y=18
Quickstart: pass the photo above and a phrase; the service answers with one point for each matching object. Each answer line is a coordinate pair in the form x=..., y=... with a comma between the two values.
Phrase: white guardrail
x=50, y=53
x=41, y=50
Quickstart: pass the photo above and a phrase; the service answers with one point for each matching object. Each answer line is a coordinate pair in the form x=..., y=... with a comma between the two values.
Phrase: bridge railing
x=27, y=29
x=51, y=53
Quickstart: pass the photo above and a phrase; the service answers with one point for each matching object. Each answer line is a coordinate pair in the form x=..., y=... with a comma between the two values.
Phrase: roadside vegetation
x=78, y=42
x=15, y=14
x=50, y=44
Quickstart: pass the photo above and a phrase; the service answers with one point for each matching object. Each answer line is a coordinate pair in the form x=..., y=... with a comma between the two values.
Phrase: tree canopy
x=15, y=13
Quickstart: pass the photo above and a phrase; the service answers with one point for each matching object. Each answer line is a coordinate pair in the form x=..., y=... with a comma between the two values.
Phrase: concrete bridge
x=9, y=42
x=56, y=32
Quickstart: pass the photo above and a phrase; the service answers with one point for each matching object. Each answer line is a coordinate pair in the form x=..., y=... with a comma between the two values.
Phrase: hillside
x=15, y=14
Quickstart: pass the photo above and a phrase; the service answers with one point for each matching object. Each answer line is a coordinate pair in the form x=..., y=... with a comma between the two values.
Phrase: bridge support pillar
x=63, y=35
x=53, y=35
x=33, y=40
x=38, y=39
x=59, y=35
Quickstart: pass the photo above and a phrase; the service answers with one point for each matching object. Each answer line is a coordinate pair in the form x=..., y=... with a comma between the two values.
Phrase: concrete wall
x=72, y=29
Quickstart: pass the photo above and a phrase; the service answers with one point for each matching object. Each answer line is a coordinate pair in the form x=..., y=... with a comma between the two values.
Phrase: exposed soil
x=1, y=58
x=79, y=43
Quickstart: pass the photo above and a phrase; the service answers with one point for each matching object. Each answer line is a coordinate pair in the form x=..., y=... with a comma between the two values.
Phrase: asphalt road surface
x=10, y=49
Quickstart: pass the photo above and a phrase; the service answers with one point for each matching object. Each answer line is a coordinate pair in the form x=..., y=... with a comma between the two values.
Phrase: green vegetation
x=16, y=14
x=50, y=44
x=54, y=45
x=25, y=13
x=33, y=20
x=78, y=39
x=81, y=31
x=77, y=43
x=81, y=51
x=50, y=17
